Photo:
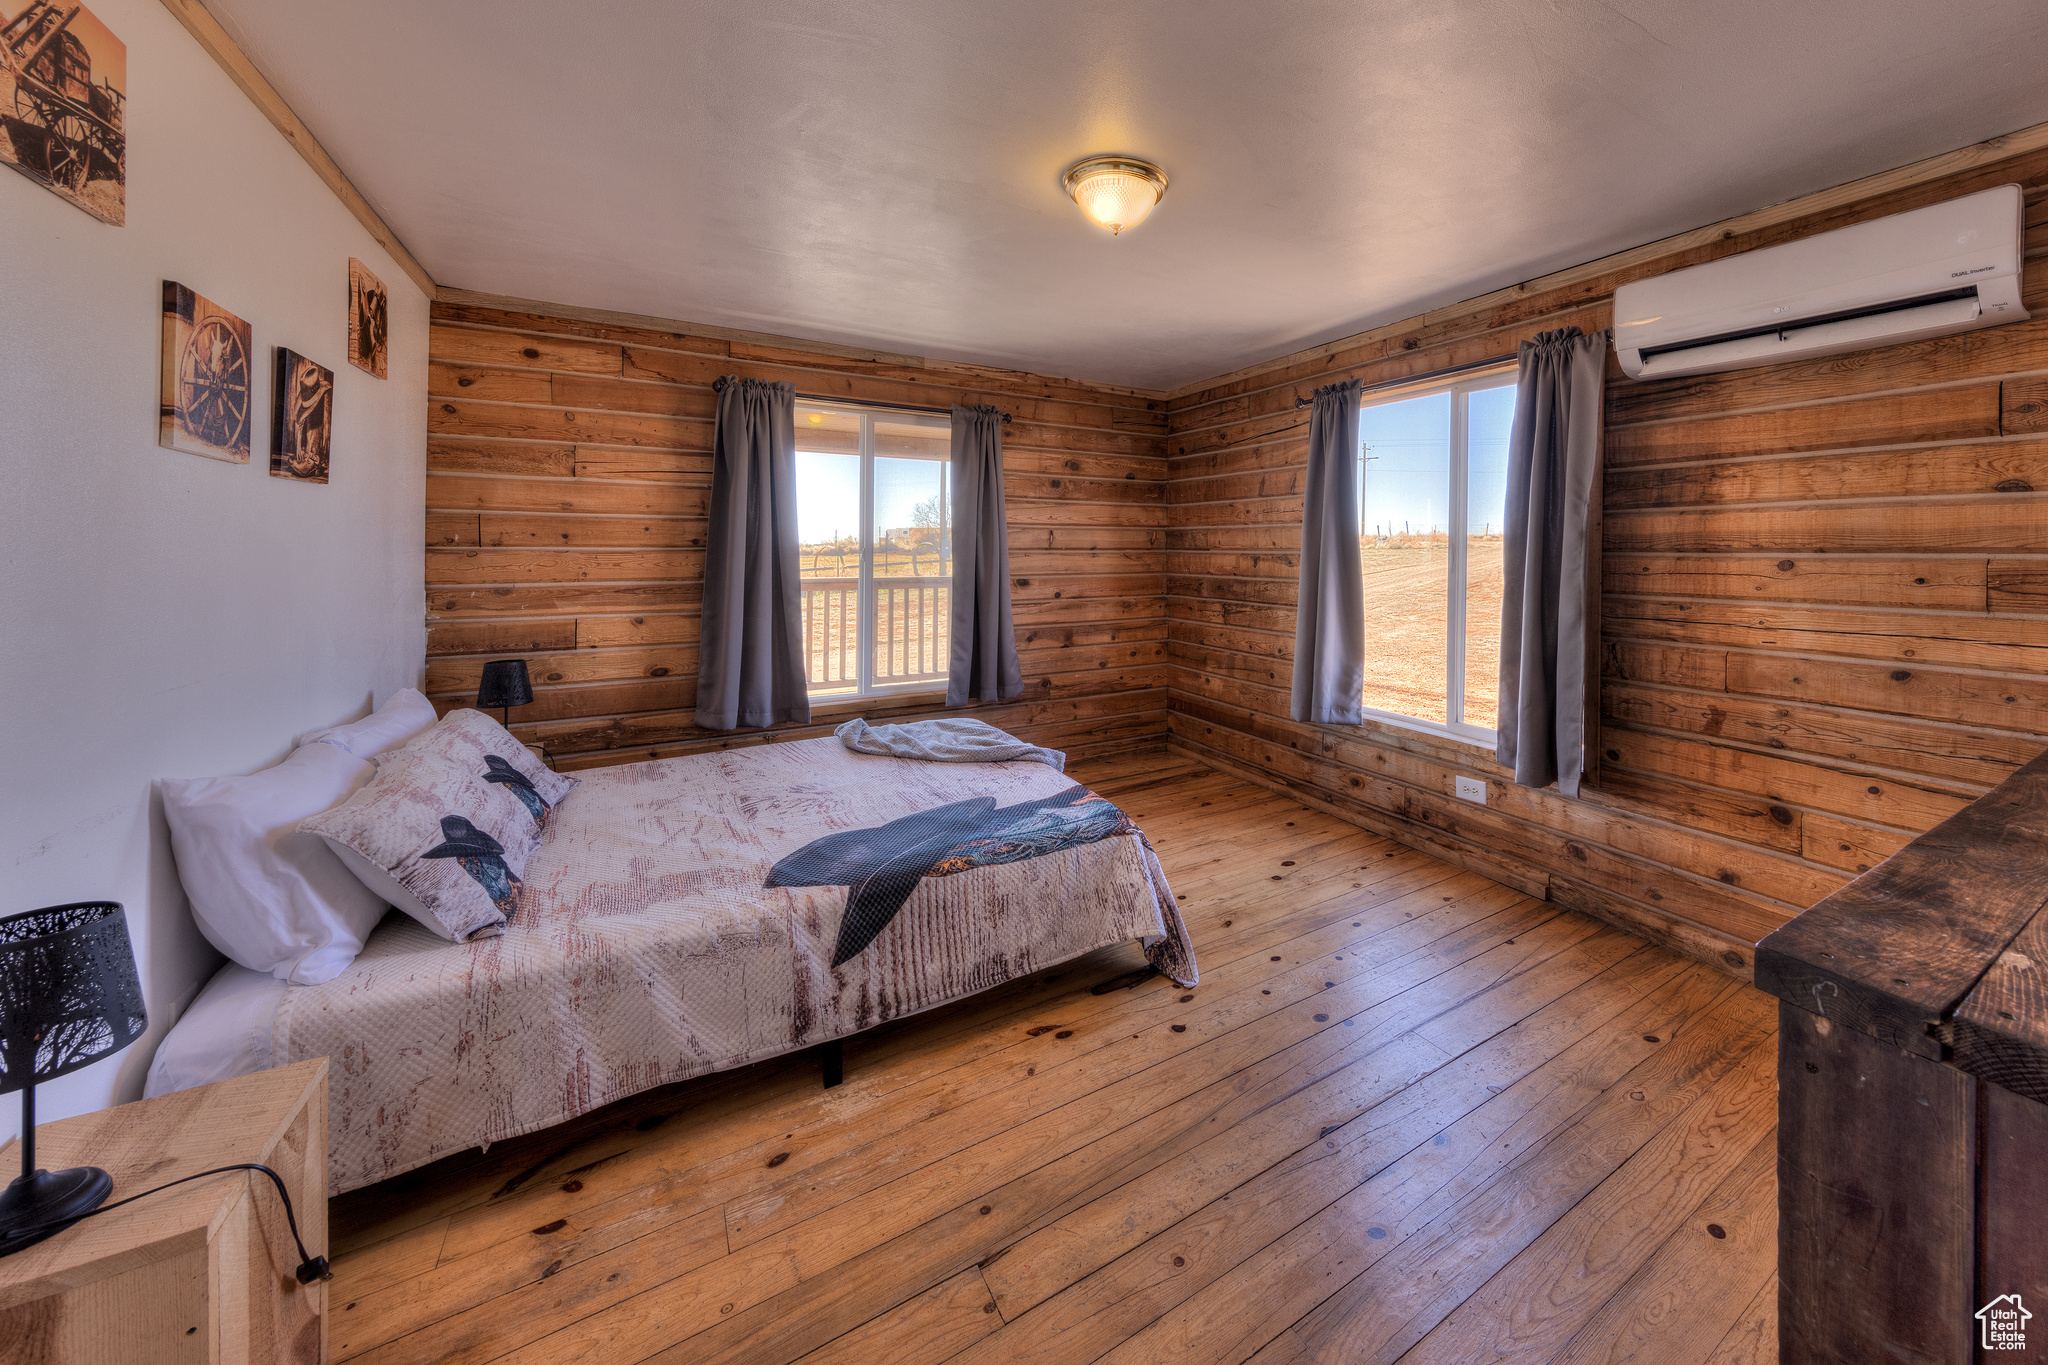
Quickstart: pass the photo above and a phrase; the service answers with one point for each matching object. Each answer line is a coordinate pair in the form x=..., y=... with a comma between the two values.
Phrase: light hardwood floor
x=1409, y=1115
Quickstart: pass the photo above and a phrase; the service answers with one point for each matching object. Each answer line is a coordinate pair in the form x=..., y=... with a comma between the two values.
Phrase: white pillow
x=225, y=1032
x=391, y=726
x=271, y=898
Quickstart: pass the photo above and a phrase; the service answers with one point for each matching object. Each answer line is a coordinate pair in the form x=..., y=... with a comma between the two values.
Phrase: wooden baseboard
x=1717, y=950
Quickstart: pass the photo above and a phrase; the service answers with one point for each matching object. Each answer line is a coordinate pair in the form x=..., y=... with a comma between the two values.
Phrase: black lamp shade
x=68, y=991
x=68, y=997
x=504, y=684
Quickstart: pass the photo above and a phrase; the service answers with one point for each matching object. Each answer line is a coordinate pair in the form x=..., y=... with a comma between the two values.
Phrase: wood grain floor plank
x=1698, y=1286
x=391, y=1261
x=1218, y=1033
x=540, y=1252
x=487, y=1331
x=1055, y=1256
x=1182, y=1261
x=959, y=1213
x=1275, y=1193
x=1390, y=1061
x=1536, y=1303
x=935, y=1326
x=1155, y=1068
x=1753, y=1340
x=1250, y=1310
x=1306, y=1062
x=1378, y=1316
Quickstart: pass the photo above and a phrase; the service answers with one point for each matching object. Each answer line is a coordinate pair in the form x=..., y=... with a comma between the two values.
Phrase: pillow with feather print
x=444, y=830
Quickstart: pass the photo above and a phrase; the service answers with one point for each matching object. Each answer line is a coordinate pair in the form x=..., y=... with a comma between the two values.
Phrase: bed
x=690, y=915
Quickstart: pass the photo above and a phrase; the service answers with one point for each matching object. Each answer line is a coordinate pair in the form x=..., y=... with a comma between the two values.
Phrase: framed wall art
x=302, y=419
x=63, y=103
x=368, y=313
x=207, y=372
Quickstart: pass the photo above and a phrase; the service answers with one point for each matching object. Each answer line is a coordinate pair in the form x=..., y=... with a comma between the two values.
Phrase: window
x=1432, y=499
x=874, y=532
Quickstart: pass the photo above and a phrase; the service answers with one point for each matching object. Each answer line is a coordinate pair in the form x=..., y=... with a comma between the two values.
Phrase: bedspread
x=693, y=914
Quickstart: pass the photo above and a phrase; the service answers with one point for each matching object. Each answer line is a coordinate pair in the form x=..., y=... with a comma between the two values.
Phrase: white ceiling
x=888, y=173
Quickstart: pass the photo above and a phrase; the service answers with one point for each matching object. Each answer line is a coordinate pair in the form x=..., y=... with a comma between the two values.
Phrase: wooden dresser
x=201, y=1273
x=1913, y=1098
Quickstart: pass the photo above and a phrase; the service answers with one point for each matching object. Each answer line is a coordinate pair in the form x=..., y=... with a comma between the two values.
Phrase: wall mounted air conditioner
x=1945, y=268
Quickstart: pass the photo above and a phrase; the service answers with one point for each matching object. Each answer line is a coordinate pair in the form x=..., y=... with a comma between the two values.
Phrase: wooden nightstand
x=201, y=1273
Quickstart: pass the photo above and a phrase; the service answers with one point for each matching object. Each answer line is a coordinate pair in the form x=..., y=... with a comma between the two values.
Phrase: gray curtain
x=1553, y=457
x=1329, y=614
x=750, y=663
x=984, y=644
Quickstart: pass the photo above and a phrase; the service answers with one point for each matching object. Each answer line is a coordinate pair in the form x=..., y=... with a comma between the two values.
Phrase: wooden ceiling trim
x=773, y=348
x=201, y=24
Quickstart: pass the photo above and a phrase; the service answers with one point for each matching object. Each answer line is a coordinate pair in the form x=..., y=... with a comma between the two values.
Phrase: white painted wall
x=164, y=615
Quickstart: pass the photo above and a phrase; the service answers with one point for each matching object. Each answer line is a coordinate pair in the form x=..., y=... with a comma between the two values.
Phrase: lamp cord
x=311, y=1267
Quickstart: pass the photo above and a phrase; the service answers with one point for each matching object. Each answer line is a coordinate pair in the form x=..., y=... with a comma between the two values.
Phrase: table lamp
x=505, y=685
x=68, y=997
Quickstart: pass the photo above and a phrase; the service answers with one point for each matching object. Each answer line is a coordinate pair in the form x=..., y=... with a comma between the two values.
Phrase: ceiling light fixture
x=1116, y=192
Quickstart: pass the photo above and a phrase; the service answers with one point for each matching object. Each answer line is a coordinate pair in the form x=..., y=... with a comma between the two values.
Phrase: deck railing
x=910, y=638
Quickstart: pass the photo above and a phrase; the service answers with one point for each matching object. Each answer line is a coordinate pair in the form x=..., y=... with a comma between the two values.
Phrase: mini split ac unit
x=1946, y=268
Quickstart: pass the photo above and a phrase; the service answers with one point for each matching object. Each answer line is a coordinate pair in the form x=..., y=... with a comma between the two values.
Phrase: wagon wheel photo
x=64, y=136
x=213, y=385
x=111, y=147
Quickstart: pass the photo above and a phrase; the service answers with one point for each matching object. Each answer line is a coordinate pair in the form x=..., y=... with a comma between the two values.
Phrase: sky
x=1407, y=470
x=828, y=493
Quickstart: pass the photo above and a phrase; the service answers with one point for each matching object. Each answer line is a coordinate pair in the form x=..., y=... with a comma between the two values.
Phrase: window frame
x=1457, y=586
x=865, y=686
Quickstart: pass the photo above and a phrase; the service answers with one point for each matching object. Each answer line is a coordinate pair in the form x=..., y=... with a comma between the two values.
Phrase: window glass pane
x=828, y=540
x=929, y=438
x=1405, y=551
x=912, y=545
x=1491, y=414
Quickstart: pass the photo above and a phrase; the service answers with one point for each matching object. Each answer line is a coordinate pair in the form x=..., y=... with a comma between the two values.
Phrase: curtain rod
x=893, y=407
x=1423, y=378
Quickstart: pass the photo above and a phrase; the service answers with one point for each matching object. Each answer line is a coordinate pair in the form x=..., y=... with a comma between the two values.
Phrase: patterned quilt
x=694, y=914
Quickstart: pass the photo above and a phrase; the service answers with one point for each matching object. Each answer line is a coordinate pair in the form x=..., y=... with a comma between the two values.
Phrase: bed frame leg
x=835, y=1062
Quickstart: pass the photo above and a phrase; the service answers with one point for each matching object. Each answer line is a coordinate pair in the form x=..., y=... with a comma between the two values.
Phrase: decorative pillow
x=404, y=716
x=474, y=742
x=440, y=841
x=273, y=899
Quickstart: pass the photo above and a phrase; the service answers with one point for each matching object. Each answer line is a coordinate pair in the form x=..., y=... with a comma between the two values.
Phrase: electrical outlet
x=1472, y=789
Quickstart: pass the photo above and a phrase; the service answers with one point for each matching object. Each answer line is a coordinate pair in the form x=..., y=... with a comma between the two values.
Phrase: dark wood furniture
x=1913, y=1095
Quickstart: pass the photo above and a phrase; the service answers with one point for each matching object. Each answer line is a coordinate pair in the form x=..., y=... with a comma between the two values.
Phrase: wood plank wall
x=568, y=474
x=1825, y=602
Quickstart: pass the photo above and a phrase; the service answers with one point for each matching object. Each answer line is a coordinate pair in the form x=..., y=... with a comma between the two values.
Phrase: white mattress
x=224, y=1032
